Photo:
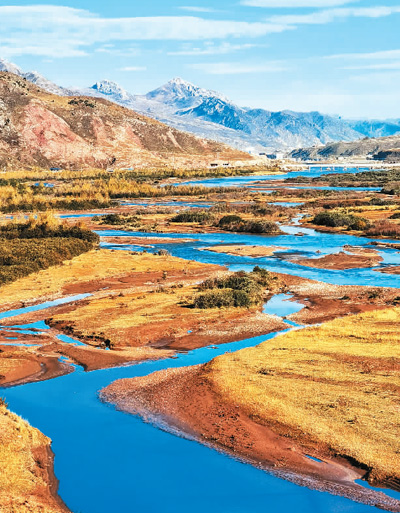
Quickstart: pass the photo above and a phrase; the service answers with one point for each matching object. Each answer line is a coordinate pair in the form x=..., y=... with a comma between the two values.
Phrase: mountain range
x=211, y=115
x=40, y=128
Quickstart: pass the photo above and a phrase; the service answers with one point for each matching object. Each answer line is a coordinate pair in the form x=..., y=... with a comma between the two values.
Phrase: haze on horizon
x=336, y=56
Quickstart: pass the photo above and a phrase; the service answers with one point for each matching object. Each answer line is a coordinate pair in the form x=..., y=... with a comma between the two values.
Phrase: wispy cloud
x=210, y=48
x=191, y=8
x=57, y=31
x=295, y=3
x=237, y=68
x=383, y=54
x=330, y=15
x=133, y=68
x=380, y=66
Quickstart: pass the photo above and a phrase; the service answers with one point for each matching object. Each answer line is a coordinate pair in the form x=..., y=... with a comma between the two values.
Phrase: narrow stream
x=111, y=462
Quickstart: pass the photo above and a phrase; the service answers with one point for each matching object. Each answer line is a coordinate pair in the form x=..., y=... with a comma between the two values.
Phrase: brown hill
x=42, y=129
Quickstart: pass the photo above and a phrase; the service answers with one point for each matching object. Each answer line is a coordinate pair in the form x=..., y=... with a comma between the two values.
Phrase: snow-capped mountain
x=113, y=90
x=34, y=77
x=10, y=67
x=210, y=115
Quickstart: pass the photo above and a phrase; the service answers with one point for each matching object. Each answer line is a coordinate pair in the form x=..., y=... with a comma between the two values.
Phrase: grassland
x=345, y=373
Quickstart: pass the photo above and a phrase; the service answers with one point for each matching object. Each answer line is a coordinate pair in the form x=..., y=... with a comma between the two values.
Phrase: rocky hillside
x=44, y=129
x=374, y=148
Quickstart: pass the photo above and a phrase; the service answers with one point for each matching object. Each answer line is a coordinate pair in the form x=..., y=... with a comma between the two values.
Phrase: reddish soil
x=340, y=261
x=389, y=270
x=324, y=302
x=185, y=400
x=143, y=241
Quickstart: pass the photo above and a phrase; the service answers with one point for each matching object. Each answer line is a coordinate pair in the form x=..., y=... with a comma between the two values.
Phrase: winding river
x=111, y=462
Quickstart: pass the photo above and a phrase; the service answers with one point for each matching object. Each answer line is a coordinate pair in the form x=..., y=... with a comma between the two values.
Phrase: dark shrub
x=192, y=216
x=336, y=219
x=230, y=219
x=236, y=290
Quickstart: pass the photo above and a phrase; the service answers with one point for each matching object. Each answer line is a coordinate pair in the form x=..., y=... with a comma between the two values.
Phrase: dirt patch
x=342, y=260
x=242, y=250
x=143, y=241
x=324, y=302
x=395, y=269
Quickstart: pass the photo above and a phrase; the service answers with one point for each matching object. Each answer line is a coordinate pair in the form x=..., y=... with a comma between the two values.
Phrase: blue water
x=111, y=462
x=308, y=246
x=281, y=306
x=42, y=306
x=243, y=181
x=108, y=461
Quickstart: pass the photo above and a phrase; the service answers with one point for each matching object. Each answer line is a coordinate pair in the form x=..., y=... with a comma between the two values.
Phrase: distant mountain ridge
x=211, y=115
x=376, y=148
x=39, y=128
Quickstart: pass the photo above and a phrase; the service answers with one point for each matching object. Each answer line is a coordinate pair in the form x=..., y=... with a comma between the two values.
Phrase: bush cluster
x=37, y=244
x=234, y=223
x=20, y=257
x=336, y=219
x=384, y=229
x=117, y=219
x=44, y=230
x=236, y=290
x=193, y=216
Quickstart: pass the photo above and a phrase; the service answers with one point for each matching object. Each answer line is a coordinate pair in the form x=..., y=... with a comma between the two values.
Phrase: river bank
x=256, y=405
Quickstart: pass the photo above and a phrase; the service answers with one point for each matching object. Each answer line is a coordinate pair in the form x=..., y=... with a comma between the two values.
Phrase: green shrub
x=20, y=257
x=37, y=244
x=239, y=289
x=336, y=219
x=44, y=230
x=234, y=223
x=230, y=219
x=192, y=216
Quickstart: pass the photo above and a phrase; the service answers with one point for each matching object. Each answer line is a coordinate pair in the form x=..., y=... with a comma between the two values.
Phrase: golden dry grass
x=94, y=265
x=337, y=384
x=20, y=479
x=17, y=464
x=139, y=318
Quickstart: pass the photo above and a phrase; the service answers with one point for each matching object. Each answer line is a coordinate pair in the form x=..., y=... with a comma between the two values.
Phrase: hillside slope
x=41, y=128
x=364, y=148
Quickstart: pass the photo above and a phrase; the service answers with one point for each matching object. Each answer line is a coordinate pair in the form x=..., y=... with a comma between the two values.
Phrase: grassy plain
x=345, y=373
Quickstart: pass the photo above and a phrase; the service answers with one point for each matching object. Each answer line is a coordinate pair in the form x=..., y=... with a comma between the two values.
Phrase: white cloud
x=330, y=15
x=133, y=68
x=392, y=58
x=57, y=31
x=383, y=54
x=237, y=68
x=295, y=3
x=190, y=8
x=379, y=66
x=211, y=48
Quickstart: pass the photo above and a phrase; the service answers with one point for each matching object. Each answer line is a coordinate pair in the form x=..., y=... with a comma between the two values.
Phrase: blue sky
x=336, y=56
